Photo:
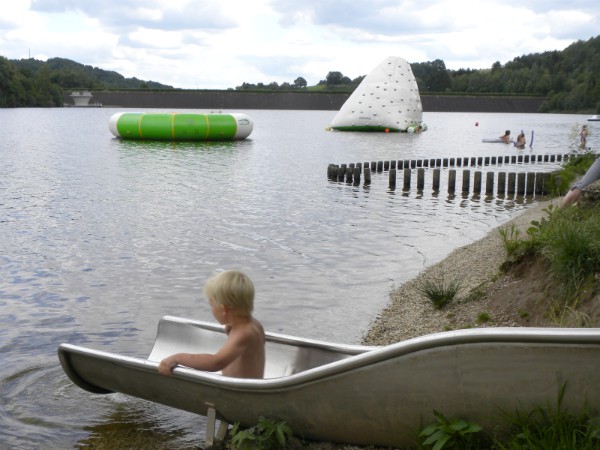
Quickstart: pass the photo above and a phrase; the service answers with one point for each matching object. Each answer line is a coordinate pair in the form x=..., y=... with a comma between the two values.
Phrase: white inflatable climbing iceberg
x=387, y=99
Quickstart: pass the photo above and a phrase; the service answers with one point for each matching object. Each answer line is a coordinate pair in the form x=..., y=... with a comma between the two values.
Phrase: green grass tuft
x=440, y=291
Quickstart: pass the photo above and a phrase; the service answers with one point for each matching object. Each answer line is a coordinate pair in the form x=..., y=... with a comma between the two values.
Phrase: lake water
x=101, y=237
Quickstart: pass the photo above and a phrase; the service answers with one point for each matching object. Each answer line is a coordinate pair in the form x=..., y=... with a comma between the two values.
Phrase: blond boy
x=231, y=297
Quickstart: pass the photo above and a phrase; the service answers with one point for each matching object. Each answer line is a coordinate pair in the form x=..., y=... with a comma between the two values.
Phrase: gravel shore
x=410, y=314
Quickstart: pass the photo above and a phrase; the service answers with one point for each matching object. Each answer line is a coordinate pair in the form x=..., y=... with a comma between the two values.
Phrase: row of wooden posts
x=472, y=161
x=522, y=183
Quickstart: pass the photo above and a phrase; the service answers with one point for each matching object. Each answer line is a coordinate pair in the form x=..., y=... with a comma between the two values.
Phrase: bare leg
x=571, y=197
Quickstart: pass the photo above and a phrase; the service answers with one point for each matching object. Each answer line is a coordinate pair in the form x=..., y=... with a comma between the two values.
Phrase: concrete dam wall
x=241, y=100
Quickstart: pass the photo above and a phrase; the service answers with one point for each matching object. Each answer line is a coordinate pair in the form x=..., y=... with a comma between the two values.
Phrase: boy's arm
x=234, y=346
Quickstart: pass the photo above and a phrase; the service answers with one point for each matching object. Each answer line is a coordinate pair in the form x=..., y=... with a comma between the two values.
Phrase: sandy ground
x=477, y=266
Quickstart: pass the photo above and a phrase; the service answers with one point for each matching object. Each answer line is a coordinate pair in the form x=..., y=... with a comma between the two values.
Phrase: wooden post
x=521, y=183
x=539, y=183
x=356, y=176
x=459, y=162
x=513, y=159
x=330, y=169
x=501, y=182
x=436, y=180
x=477, y=182
x=494, y=162
x=413, y=164
x=451, y=181
x=392, y=179
x=341, y=172
x=452, y=162
x=510, y=189
x=480, y=161
x=400, y=164
x=530, y=183
x=419, y=163
x=349, y=173
x=546, y=182
x=386, y=166
x=473, y=161
x=393, y=164
x=367, y=176
x=466, y=181
x=425, y=163
x=486, y=160
x=438, y=162
x=373, y=166
x=489, y=183
x=420, y=179
x=406, y=163
x=379, y=166
x=406, y=179
x=445, y=162
x=520, y=158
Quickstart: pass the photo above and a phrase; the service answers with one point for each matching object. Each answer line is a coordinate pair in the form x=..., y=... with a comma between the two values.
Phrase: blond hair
x=232, y=289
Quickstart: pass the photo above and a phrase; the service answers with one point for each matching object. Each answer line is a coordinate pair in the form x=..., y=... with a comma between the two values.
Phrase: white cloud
x=223, y=43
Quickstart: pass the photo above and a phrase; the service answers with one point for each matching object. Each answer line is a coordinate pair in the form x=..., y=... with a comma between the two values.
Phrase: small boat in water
x=594, y=118
x=354, y=394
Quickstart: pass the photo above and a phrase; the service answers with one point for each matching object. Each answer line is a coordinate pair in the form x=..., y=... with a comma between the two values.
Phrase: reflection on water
x=144, y=425
x=101, y=237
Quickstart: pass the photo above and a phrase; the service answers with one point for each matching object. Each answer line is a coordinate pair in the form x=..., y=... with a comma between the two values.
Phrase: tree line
x=568, y=79
x=30, y=82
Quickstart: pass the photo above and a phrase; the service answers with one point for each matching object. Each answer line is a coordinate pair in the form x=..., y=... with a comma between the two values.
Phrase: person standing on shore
x=583, y=134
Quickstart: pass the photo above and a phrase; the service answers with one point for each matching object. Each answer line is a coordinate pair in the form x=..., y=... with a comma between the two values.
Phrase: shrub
x=483, y=317
x=575, y=167
x=440, y=291
x=548, y=428
x=266, y=435
x=568, y=240
x=454, y=433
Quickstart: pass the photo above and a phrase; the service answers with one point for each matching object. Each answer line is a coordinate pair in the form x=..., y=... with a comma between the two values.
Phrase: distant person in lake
x=520, y=140
x=231, y=297
x=592, y=174
x=583, y=134
x=506, y=137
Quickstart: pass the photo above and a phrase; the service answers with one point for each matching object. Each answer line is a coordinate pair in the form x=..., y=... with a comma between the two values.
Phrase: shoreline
x=477, y=265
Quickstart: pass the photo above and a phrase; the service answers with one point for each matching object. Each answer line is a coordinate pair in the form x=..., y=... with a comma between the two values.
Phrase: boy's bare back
x=250, y=338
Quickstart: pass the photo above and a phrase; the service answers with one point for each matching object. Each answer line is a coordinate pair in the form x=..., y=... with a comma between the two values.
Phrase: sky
x=220, y=44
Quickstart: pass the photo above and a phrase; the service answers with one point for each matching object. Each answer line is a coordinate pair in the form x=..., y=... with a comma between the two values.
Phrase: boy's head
x=232, y=289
